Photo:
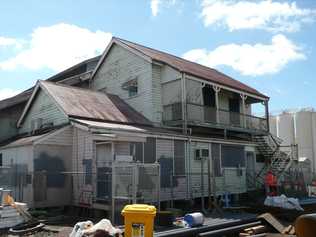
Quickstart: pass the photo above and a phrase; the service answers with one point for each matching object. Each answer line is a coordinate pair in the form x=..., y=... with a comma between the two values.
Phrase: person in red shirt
x=271, y=184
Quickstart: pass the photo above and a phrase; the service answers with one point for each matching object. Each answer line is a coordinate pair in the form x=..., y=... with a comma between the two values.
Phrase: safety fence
x=111, y=188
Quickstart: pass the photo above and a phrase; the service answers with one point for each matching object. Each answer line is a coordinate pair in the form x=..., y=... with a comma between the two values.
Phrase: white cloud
x=265, y=14
x=5, y=41
x=58, y=47
x=156, y=5
x=7, y=93
x=252, y=60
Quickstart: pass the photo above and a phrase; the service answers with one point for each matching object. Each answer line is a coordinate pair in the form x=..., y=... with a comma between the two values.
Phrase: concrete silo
x=297, y=127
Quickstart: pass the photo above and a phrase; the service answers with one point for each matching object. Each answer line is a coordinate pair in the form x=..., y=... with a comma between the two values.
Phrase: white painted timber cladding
x=62, y=138
x=229, y=182
x=121, y=148
x=165, y=148
x=44, y=108
x=171, y=92
x=121, y=66
x=21, y=156
x=82, y=149
x=156, y=93
x=169, y=74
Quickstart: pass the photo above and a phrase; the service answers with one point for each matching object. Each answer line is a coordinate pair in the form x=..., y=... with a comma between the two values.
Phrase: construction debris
x=87, y=228
x=11, y=213
x=283, y=202
x=272, y=221
x=269, y=228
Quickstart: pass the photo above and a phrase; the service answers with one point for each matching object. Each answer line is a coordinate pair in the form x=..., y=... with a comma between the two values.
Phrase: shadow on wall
x=53, y=166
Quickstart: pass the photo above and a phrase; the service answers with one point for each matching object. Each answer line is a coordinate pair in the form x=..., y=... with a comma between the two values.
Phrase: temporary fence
x=113, y=186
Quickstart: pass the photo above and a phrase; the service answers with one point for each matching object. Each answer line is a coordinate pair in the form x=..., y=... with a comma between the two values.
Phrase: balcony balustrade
x=204, y=115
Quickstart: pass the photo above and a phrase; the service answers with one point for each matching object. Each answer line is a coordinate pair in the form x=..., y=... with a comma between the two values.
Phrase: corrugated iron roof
x=84, y=103
x=109, y=126
x=191, y=68
x=20, y=98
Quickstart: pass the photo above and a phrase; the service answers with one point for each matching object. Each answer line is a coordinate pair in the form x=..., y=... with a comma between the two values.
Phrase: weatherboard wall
x=20, y=161
x=121, y=66
x=8, y=121
x=43, y=107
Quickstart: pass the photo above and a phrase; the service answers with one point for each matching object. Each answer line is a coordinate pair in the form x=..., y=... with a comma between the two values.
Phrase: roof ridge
x=72, y=67
x=74, y=87
x=178, y=57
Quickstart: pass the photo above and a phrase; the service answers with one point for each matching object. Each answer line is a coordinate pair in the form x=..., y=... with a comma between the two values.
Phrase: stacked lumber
x=9, y=216
x=271, y=227
x=11, y=213
x=259, y=229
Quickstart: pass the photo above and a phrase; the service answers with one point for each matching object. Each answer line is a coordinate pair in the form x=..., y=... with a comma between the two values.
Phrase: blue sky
x=269, y=45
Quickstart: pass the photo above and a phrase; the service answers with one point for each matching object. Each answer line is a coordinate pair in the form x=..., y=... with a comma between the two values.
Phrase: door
x=209, y=104
x=234, y=112
x=104, y=160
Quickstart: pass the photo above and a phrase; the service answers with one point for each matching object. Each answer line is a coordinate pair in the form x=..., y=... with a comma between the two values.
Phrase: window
x=1, y=161
x=131, y=86
x=179, y=157
x=233, y=156
x=201, y=154
x=132, y=91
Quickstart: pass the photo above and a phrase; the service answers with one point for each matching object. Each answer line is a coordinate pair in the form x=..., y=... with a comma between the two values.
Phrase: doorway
x=104, y=160
x=209, y=104
x=234, y=111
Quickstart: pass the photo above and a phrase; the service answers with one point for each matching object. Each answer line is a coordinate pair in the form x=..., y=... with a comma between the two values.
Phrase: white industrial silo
x=304, y=134
x=273, y=125
x=285, y=128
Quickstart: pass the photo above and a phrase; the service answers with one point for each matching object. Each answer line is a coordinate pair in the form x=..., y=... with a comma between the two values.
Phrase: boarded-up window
x=179, y=157
x=166, y=173
x=136, y=150
x=87, y=163
x=233, y=156
x=216, y=160
x=150, y=150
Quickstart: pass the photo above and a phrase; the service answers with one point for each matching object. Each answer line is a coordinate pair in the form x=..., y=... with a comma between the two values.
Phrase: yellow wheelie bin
x=139, y=220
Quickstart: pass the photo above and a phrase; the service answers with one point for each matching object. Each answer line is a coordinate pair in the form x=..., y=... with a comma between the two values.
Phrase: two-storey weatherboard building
x=140, y=126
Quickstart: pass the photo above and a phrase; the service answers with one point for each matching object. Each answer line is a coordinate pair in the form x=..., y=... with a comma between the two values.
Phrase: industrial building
x=297, y=127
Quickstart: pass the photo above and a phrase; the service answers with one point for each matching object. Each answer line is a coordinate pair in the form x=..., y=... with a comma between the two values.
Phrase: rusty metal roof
x=191, y=68
x=84, y=103
x=20, y=98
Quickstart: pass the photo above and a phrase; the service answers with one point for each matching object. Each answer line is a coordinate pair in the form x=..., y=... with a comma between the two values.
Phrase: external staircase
x=279, y=159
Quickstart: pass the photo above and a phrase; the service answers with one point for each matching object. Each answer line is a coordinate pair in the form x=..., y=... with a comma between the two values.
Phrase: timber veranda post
x=184, y=103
